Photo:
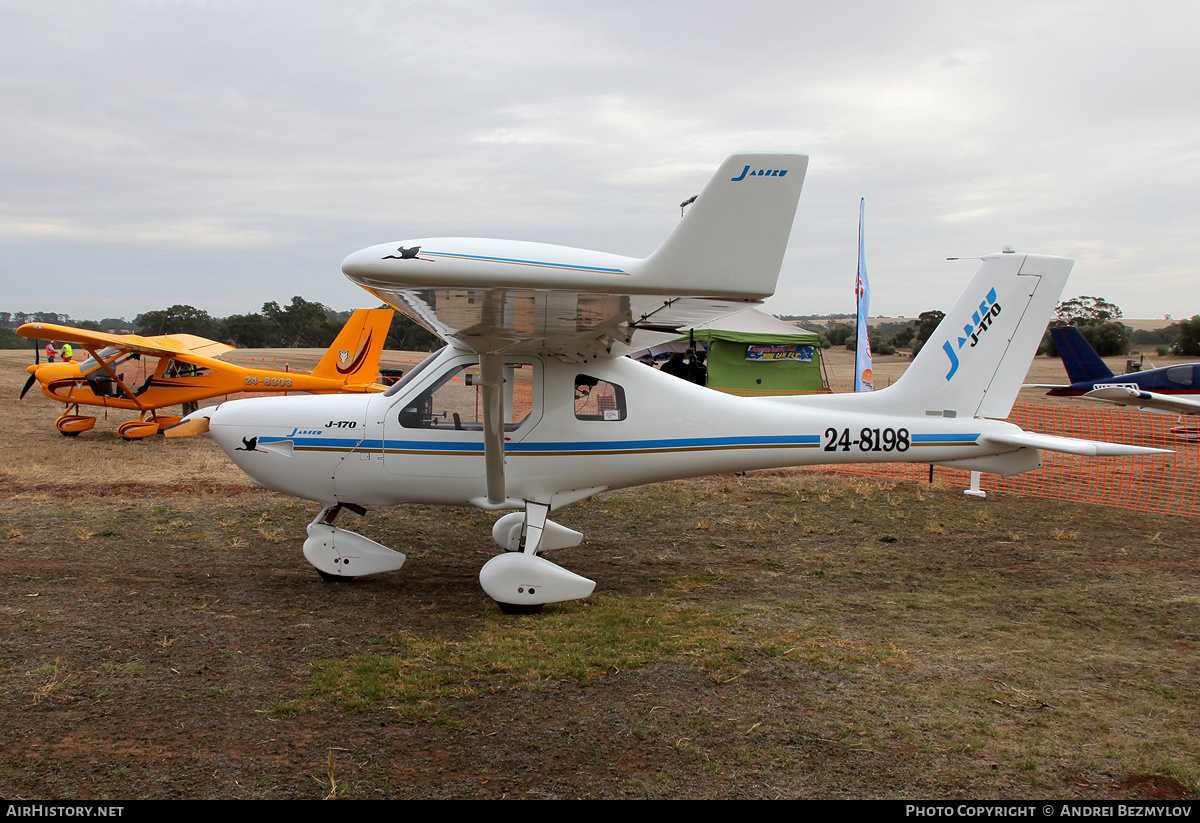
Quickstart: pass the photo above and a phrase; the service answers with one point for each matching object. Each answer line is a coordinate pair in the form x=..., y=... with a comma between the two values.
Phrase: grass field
x=782, y=634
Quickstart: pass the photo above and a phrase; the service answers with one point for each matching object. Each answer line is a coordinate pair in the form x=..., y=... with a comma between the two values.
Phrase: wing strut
x=112, y=373
x=491, y=378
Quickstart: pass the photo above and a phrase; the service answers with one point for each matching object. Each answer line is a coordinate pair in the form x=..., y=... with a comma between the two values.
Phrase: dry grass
x=776, y=635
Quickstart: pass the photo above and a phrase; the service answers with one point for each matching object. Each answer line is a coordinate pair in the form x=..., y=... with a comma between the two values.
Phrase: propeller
x=186, y=428
x=32, y=379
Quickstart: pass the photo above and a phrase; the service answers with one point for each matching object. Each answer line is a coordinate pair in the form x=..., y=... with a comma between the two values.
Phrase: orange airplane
x=187, y=371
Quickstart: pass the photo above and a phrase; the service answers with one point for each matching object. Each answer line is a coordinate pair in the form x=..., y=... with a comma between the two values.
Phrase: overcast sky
x=222, y=154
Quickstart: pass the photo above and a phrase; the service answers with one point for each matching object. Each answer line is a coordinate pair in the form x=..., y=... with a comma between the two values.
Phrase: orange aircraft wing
x=161, y=345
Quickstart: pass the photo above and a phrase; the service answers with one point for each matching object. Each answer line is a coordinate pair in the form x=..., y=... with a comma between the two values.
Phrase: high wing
x=1145, y=400
x=504, y=297
x=495, y=296
x=159, y=346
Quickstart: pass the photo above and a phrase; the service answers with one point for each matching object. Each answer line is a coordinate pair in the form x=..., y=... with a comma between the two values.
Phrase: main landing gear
x=70, y=423
x=146, y=426
x=521, y=581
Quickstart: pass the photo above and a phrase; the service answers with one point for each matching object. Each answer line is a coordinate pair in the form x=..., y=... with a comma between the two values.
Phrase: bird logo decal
x=249, y=444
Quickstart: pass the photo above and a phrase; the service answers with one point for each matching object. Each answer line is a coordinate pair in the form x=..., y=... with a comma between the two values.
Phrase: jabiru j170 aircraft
x=530, y=407
x=1159, y=390
x=187, y=371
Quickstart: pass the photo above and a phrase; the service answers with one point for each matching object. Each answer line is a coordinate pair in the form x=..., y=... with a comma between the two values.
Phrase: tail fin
x=737, y=228
x=354, y=355
x=976, y=359
x=1079, y=358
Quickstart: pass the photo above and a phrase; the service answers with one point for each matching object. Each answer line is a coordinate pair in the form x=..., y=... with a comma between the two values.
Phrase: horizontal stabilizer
x=1069, y=445
x=1149, y=401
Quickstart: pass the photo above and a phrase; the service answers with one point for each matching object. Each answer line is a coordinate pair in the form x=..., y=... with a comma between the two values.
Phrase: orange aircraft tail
x=354, y=355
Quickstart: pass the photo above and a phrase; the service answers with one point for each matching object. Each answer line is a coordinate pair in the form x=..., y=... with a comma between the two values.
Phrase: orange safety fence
x=1161, y=484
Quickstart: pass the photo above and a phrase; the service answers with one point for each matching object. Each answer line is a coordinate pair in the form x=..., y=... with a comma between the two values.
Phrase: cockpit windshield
x=106, y=354
x=413, y=372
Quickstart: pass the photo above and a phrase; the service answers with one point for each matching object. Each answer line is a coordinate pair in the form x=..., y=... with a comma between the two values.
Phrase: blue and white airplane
x=531, y=407
x=1159, y=390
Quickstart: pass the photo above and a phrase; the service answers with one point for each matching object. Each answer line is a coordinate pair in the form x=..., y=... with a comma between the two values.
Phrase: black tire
x=334, y=578
x=520, y=608
x=68, y=434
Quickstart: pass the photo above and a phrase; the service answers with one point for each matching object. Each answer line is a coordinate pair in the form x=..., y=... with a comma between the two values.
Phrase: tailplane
x=975, y=361
x=1080, y=359
x=736, y=230
x=354, y=355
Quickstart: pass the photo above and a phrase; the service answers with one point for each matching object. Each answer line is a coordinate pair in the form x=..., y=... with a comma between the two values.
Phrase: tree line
x=299, y=324
x=1097, y=319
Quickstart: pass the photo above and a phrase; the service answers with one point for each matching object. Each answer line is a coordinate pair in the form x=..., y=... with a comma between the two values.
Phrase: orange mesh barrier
x=1162, y=484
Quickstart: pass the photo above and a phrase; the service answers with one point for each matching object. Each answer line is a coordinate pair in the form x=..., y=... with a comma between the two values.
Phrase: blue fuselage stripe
x=543, y=263
x=451, y=447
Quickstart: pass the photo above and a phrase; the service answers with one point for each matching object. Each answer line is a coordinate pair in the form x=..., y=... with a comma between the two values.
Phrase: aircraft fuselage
x=402, y=447
x=1182, y=379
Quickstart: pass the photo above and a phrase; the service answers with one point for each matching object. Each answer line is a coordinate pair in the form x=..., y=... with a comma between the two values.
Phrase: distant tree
x=337, y=318
x=1188, y=343
x=9, y=339
x=1108, y=339
x=1085, y=311
x=178, y=319
x=880, y=345
x=927, y=322
x=839, y=334
x=1096, y=319
x=904, y=337
x=301, y=324
x=250, y=331
x=49, y=317
x=1155, y=337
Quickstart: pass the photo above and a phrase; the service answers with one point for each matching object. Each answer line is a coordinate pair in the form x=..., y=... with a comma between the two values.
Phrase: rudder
x=1079, y=358
x=354, y=355
x=975, y=361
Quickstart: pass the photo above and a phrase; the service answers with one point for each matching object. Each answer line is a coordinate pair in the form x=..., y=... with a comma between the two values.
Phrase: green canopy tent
x=753, y=353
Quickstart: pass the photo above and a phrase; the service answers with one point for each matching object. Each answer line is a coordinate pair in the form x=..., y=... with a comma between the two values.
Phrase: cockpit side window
x=597, y=399
x=1181, y=375
x=455, y=401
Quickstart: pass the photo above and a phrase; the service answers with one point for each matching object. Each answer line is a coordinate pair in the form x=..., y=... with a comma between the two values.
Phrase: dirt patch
x=797, y=635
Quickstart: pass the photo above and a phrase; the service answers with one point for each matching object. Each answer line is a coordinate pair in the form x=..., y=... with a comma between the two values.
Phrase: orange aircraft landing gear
x=70, y=423
x=143, y=427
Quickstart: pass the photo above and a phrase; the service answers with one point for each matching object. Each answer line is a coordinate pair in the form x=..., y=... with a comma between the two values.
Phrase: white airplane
x=530, y=406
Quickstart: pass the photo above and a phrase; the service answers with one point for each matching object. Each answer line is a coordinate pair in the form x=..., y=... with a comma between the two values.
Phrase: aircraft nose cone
x=385, y=264
x=365, y=262
x=31, y=369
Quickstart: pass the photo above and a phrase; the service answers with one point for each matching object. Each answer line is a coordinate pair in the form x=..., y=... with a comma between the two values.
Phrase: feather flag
x=864, y=376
